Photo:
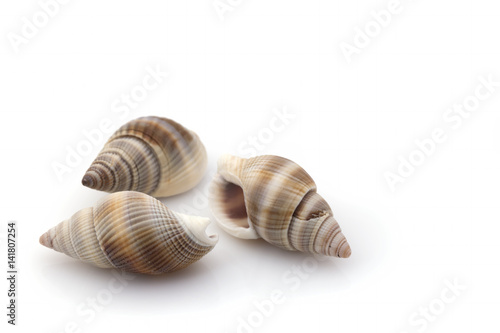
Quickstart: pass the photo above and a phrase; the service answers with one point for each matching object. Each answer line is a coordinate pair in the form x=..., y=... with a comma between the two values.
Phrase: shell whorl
x=275, y=199
x=153, y=155
x=134, y=232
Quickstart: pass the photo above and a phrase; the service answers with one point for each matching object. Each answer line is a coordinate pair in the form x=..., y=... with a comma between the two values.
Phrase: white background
x=352, y=121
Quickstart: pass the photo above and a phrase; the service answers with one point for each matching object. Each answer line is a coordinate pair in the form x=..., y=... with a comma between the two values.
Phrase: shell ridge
x=315, y=232
x=71, y=237
x=230, y=171
x=106, y=166
x=55, y=240
x=94, y=220
x=152, y=152
x=118, y=152
x=119, y=238
x=276, y=172
x=317, y=220
x=141, y=230
x=176, y=135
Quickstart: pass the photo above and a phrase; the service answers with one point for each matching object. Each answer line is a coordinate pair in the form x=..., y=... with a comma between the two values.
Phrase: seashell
x=133, y=232
x=152, y=155
x=273, y=198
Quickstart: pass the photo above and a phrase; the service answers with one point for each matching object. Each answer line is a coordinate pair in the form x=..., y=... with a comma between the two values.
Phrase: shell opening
x=235, y=210
x=229, y=208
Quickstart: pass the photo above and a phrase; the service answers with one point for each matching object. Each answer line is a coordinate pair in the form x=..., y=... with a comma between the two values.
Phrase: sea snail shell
x=273, y=198
x=134, y=232
x=153, y=155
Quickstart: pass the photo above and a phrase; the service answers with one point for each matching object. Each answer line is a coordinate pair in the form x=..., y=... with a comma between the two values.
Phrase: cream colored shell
x=153, y=155
x=134, y=232
x=273, y=198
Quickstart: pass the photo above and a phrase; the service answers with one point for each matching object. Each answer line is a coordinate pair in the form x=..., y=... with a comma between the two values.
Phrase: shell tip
x=88, y=181
x=46, y=240
x=197, y=225
x=345, y=251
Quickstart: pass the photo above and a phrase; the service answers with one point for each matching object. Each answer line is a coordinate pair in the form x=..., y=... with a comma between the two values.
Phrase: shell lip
x=235, y=230
x=197, y=226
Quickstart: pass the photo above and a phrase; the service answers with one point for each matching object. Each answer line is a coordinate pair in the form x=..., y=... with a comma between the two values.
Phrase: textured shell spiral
x=273, y=198
x=133, y=232
x=153, y=155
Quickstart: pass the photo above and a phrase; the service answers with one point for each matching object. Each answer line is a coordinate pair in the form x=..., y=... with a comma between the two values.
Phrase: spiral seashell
x=152, y=155
x=133, y=232
x=273, y=198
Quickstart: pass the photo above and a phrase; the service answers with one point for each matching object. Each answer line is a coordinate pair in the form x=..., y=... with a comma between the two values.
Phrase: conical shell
x=153, y=155
x=134, y=232
x=273, y=198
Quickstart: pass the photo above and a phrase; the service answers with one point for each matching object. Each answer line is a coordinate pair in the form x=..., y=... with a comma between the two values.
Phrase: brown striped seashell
x=273, y=198
x=133, y=232
x=152, y=155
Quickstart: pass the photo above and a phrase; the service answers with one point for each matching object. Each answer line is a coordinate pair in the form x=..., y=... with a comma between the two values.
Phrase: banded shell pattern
x=153, y=155
x=134, y=232
x=273, y=198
